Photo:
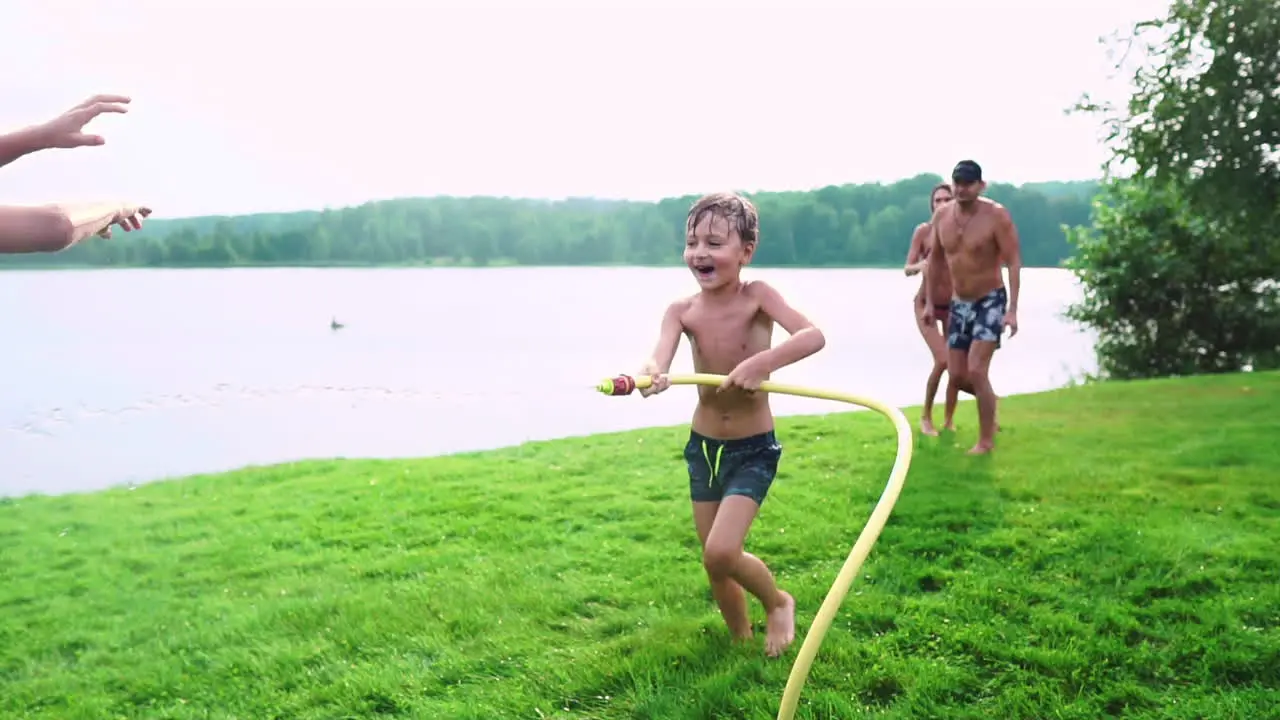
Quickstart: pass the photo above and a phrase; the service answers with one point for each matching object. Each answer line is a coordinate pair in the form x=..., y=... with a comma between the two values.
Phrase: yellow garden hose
x=624, y=385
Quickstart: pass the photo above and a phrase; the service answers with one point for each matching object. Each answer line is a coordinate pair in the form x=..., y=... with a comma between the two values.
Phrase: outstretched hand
x=67, y=130
x=128, y=217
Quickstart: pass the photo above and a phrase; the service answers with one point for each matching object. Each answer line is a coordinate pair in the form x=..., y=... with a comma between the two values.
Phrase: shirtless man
x=971, y=237
x=56, y=227
x=732, y=454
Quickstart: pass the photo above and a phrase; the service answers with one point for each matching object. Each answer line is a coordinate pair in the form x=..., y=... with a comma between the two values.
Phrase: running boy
x=732, y=453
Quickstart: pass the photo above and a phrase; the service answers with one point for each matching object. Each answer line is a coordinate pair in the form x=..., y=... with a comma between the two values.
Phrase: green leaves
x=1179, y=267
x=1209, y=117
x=1170, y=291
x=848, y=225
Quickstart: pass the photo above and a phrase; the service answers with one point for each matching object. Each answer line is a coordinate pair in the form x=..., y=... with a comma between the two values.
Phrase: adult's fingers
x=96, y=109
x=80, y=139
x=98, y=99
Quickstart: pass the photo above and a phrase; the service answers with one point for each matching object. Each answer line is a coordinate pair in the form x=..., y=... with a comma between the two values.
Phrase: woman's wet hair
x=934, y=191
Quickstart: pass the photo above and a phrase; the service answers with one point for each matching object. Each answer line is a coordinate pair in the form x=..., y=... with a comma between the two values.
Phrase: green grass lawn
x=1117, y=556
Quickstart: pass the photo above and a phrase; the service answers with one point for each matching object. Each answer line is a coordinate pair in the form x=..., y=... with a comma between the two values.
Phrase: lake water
x=128, y=376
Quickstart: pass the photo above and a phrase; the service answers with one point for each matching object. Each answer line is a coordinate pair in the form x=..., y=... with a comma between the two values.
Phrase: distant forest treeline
x=849, y=225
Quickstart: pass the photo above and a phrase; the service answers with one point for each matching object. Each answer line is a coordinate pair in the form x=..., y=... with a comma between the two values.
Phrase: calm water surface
x=126, y=376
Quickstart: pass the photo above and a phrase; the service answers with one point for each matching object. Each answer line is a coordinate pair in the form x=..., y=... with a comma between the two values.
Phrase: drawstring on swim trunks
x=714, y=466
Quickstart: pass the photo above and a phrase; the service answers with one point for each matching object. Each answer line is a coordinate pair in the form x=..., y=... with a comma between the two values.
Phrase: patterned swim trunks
x=981, y=319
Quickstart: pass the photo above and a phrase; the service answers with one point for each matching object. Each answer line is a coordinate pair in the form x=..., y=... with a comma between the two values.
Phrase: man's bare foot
x=926, y=427
x=981, y=448
x=780, y=626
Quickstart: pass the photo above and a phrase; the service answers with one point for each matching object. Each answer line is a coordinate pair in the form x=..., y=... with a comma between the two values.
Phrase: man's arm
x=918, y=239
x=22, y=142
x=1011, y=251
x=806, y=339
x=33, y=229
x=55, y=227
x=937, y=263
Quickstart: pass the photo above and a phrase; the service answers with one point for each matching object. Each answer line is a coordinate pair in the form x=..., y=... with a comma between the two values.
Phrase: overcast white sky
x=288, y=104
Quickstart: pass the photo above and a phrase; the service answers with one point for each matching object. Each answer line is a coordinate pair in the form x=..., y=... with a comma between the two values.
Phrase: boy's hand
x=747, y=376
x=660, y=381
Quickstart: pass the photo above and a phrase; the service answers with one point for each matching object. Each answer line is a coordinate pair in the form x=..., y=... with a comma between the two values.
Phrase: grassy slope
x=1118, y=552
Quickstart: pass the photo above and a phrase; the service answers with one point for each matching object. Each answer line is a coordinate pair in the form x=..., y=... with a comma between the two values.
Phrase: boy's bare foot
x=949, y=426
x=926, y=427
x=780, y=627
x=981, y=448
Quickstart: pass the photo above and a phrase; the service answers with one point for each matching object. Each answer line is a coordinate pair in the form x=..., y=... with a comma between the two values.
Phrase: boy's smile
x=715, y=252
x=704, y=270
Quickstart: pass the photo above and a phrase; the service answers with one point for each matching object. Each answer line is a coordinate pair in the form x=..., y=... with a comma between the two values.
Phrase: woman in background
x=934, y=333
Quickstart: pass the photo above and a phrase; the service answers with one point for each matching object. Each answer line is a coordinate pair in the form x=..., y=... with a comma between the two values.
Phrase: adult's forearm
x=20, y=142
x=34, y=229
x=1015, y=283
x=52, y=228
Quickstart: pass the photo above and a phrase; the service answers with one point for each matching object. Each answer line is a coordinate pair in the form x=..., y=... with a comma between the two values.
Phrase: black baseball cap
x=967, y=171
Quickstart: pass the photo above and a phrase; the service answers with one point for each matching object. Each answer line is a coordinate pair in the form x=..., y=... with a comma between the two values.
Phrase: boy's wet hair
x=737, y=211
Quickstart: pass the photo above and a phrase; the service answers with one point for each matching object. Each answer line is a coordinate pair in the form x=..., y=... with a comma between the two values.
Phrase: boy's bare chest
x=727, y=331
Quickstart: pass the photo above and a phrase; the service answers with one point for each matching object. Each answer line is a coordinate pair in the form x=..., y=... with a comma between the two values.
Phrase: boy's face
x=715, y=252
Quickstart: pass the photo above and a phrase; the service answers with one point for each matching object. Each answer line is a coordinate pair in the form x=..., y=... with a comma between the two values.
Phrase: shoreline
x=439, y=266
x=911, y=412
